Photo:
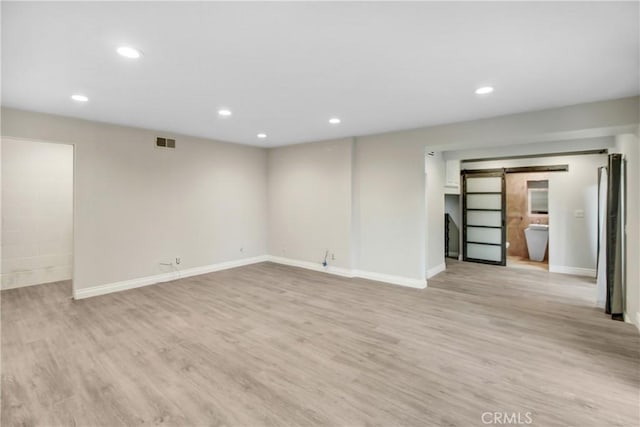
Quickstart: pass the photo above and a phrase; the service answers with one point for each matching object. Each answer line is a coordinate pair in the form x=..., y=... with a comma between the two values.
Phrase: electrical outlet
x=178, y=260
x=333, y=257
x=241, y=249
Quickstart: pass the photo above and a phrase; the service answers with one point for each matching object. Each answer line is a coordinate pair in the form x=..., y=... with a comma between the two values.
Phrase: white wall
x=138, y=205
x=562, y=125
x=628, y=145
x=37, y=213
x=391, y=211
x=355, y=198
x=335, y=195
x=435, y=170
x=310, y=202
x=572, y=241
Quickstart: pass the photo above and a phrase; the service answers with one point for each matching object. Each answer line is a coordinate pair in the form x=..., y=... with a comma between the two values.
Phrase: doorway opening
x=37, y=214
x=452, y=226
x=527, y=197
x=506, y=215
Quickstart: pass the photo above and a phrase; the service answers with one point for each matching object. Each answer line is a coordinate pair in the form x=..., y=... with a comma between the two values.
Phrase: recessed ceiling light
x=334, y=120
x=224, y=113
x=129, y=52
x=262, y=135
x=79, y=98
x=484, y=90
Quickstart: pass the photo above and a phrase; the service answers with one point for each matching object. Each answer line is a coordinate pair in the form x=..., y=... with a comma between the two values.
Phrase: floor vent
x=165, y=142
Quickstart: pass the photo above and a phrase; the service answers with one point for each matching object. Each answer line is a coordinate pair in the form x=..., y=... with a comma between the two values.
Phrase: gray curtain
x=615, y=238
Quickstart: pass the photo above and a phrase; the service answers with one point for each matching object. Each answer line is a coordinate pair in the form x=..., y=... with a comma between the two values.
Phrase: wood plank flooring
x=267, y=345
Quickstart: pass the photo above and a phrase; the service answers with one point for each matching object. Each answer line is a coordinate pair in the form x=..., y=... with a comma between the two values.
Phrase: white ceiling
x=286, y=68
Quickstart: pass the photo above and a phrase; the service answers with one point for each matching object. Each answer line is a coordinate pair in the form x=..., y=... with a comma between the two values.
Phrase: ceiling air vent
x=165, y=142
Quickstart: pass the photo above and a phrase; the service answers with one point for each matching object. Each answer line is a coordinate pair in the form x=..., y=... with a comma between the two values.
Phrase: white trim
x=435, y=270
x=577, y=271
x=394, y=280
x=345, y=272
x=629, y=319
x=164, y=277
x=339, y=271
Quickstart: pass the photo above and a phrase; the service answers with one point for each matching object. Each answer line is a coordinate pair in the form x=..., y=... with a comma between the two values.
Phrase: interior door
x=484, y=232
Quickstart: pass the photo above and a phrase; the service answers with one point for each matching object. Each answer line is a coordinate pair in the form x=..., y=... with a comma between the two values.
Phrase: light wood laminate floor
x=521, y=262
x=274, y=345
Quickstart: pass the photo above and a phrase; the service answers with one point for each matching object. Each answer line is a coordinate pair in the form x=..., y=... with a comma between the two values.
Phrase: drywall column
x=391, y=217
x=628, y=145
x=435, y=179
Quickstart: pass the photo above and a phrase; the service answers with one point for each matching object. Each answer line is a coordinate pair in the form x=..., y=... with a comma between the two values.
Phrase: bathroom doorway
x=528, y=220
x=506, y=216
x=558, y=204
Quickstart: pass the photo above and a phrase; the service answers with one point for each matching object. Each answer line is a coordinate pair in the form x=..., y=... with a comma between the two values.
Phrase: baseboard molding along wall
x=181, y=274
x=629, y=318
x=164, y=277
x=576, y=271
x=345, y=272
x=338, y=271
x=436, y=270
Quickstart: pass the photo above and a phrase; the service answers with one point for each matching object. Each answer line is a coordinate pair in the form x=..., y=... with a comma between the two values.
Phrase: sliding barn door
x=484, y=233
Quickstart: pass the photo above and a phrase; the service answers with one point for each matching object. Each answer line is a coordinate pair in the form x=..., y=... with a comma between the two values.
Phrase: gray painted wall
x=137, y=205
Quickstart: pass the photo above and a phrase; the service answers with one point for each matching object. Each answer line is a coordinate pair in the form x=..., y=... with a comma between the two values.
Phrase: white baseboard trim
x=394, y=280
x=629, y=319
x=435, y=270
x=164, y=277
x=339, y=271
x=577, y=271
x=196, y=271
x=345, y=272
